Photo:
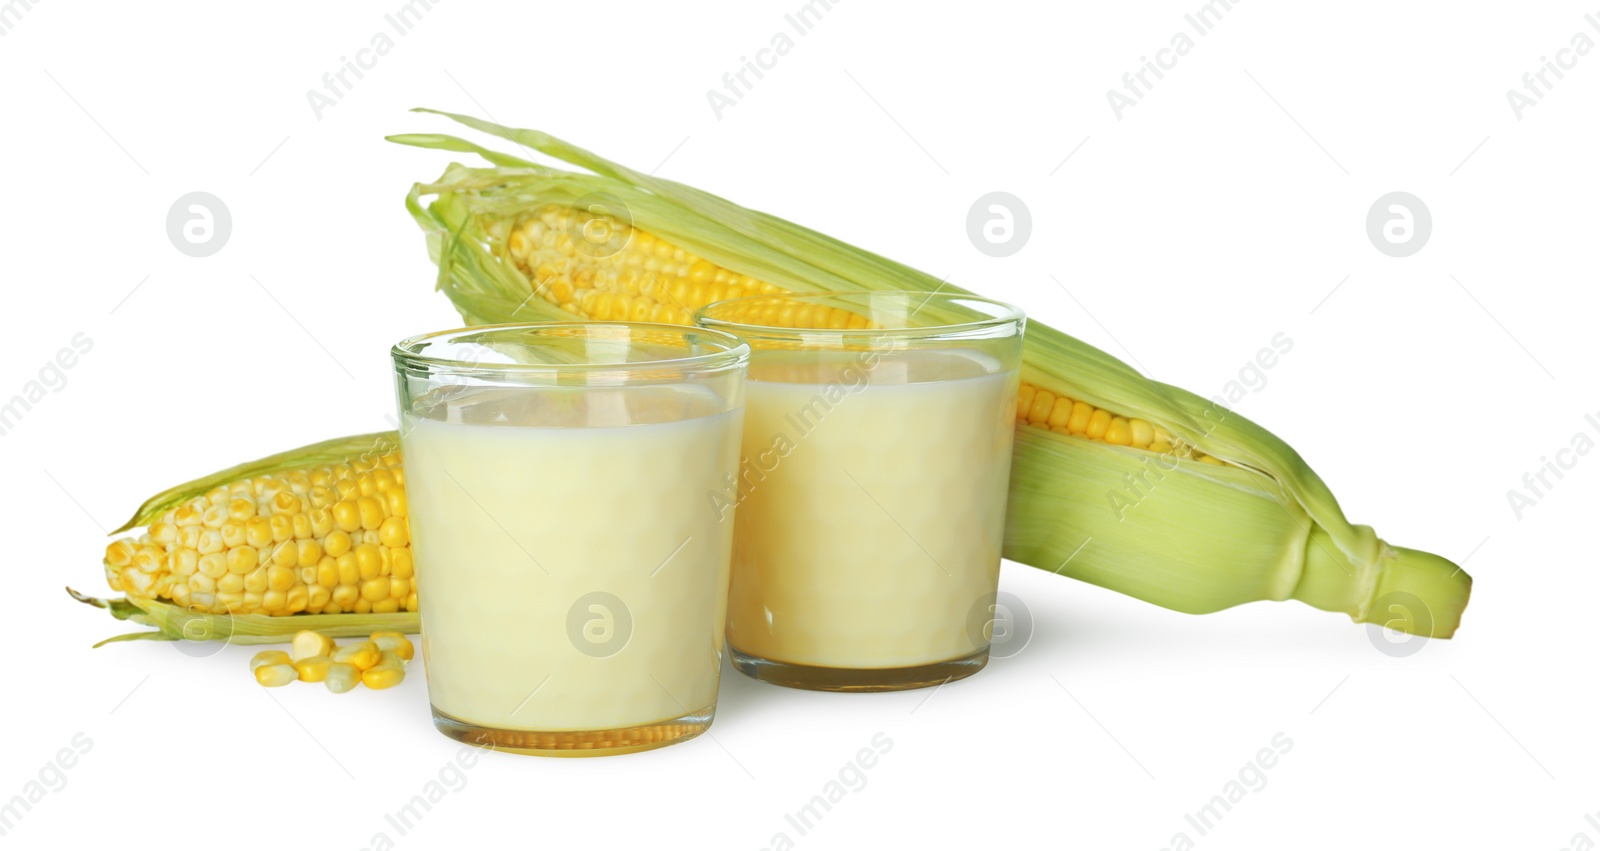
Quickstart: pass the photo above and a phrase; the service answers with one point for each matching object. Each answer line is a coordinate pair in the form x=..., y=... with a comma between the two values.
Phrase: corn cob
x=319, y=532
x=1212, y=512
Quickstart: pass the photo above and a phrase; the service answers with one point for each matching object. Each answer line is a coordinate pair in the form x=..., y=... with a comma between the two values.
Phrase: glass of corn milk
x=571, y=563
x=871, y=489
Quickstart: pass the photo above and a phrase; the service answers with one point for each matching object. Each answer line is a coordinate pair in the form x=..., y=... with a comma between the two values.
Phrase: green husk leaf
x=174, y=623
x=1264, y=527
x=337, y=451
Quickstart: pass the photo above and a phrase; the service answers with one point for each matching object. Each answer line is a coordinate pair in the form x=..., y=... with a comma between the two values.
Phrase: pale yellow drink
x=873, y=501
x=571, y=578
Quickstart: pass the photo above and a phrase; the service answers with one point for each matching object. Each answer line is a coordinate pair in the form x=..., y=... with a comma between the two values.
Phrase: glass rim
x=1006, y=314
x=731, y=350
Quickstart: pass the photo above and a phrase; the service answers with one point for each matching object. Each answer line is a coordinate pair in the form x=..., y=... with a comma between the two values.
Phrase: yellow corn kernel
x=327, y=572
x=280, y=578
x=345, y=597
x=1082, y=412
x=307, y=553
x=1043, y=401
x=273, y=676
x=233, y=534
x=214, y=516
x=1143, y=433
x=349, y=572
x=346, y=515
x=396, y=642
x=371, y=511
x=375, y=589
x=307, y=643
x=213, y=565
x=210, y=542
x=313, y=669
x=321, y=522
x=1098, y=423
x=401, y=564
x=258, y=532
x=242, y=560
x=282, y=528
x=382, y=676
x=369, y=561
x=341, y=677
x=1118, y=432
x=337, y=543
x=1060, y=412
x=285, y=503
x=362, y=656
x=183, y=563
x=241, y=509
x=393, y=532
x=269, y=657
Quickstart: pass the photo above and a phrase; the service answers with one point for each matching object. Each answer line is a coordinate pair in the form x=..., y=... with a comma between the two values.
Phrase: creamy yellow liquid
x=873, y=515
x=516, y=521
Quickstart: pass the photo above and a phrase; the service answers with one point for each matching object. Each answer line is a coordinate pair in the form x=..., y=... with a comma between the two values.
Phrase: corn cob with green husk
x=317, y=533
x=1222, y=511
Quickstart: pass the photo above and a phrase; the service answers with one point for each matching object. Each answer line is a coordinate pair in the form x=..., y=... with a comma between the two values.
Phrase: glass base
x=578, y=742
x=857, y=679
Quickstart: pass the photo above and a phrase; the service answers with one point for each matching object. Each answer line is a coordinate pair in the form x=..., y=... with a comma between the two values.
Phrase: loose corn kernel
x=362, y=656
x=341, y=677
x=396, y=642
x=313, y=669
x=307, y=643
x=382, y=676
x=269, y=657
x=273, y=676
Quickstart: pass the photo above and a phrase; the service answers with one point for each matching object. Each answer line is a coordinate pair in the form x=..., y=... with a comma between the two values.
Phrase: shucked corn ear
x=1118, y=480
x=319, y=533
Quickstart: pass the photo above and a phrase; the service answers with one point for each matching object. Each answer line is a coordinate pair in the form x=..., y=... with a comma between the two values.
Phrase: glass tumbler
x=571, y=565
x=872, y=489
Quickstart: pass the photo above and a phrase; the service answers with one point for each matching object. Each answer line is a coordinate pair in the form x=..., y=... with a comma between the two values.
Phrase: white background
x=1227, y=206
